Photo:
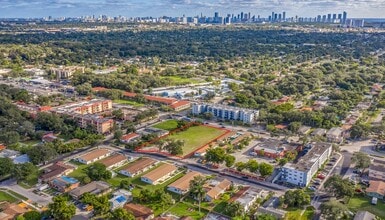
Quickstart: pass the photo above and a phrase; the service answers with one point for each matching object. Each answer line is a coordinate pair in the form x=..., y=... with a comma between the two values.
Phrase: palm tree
x=197, y=190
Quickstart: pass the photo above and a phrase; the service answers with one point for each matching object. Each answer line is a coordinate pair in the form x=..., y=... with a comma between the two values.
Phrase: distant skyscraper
x=334, y=18
x=344, y=16
x=280, y=17
x=284, y=15
x=340, y=17
x=329, y=18
x=241, y=15
x=272, y=16
x=216, y=14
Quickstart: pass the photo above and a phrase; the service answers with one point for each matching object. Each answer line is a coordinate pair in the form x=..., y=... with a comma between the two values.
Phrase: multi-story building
x=86, y=107
x=66, y=72
x=100, y=124
x=301, y=172
x=226, y=112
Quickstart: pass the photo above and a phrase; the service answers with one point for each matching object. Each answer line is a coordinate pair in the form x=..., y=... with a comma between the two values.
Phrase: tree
x=100, y=204
x=291, y=155
x=296, y=198
x=265, y=169
x=229, y=160
x=98, y=171
x=197, y=190
x=118, y=134
x=118, y=114
x=61, y=208
x=282, y=161
x=165, y=199
x=6, y=166
x=215, y=155
x=252, y=165
x=122, y=214
x=240, y=166
x=32, y=215
x=339, y=187
x=42, y=153
x=361, y=160
x=25, y=171
x=333, y=209
x=233, y=209
x=359, y=130
x=174, y=147
x=265, y=217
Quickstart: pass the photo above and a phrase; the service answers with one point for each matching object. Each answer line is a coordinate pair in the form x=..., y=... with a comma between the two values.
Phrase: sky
x=156, y=8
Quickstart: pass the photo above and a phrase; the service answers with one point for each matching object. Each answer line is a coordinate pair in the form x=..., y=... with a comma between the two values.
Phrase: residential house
x=114, y=161
x=129, y=137
x=218, y=190
x=301, y=172
x=377, y=170
x=160, y=174
x=364, y=215
x=56, y=170
x=11, y=211
x=304, y=130
x=182, y=185
x=140, y=212
x=246, y=197
x=120, y=198
x=93, y=156
x=270, y=207
x=139, y=166
x=64, y=183
x=319, y=132
x=95, y=187
x=50, y=137
x=376, y=189
x=335, y=135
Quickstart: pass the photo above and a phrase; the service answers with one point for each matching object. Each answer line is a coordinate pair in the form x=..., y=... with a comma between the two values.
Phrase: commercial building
x=95, y=187
x=56, y=170
x=160, y=174
x=114, y=161
x=93, y=156
x=301, y=172
x=139, y=166
x=182, y=185
x=226, y=112
x=64, y=183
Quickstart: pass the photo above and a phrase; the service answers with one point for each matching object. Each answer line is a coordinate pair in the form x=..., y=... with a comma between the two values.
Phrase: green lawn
x=196, y=136
x=167, y=125
x=79, y=173
x=177, y=80
x=128, y=102
x=295, y=214
x=6, y=197
x=185, y=209
x=361, y=203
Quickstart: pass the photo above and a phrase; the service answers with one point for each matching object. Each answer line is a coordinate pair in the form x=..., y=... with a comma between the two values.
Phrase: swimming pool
x=69, y=179
x=121, y=199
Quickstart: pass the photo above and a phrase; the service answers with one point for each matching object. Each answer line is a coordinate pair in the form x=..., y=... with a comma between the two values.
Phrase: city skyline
x=136, y=8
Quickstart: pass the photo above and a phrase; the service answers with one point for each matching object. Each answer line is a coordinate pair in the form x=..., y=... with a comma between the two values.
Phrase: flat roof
x=307, y=161
x=160, y=172
x=94, y=154
x=183, y=183
x=94, y=187
x=139, y=164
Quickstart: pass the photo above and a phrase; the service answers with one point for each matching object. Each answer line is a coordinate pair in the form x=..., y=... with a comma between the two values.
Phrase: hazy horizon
x=156, y=8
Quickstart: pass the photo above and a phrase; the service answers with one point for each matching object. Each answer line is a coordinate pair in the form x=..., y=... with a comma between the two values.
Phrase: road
x=13, y=186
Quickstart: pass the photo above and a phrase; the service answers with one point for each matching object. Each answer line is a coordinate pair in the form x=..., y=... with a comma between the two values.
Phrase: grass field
x=177, y=80
x=167, y=125
x=6, y=197
x=361, y=203
x=185, y=209
x=196, y=136
x=128, y=102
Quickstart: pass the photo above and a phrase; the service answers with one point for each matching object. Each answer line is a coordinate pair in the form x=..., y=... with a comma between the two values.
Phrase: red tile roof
x=98, y=89
x=178, y=104
x=129, y=136
x=2, y=147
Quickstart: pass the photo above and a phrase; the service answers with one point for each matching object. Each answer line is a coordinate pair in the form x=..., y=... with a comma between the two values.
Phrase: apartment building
x=301, y=173
x=66, y=72
x=86, y=107
x=226, y=112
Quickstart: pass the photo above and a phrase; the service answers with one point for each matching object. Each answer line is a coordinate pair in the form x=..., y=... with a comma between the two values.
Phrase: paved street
x=12, y=185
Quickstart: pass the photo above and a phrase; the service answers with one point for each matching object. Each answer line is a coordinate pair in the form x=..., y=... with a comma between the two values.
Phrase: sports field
x=197, y=136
